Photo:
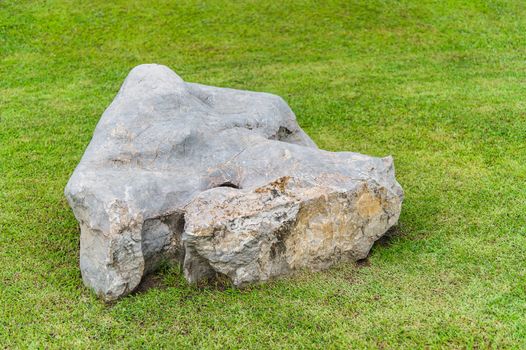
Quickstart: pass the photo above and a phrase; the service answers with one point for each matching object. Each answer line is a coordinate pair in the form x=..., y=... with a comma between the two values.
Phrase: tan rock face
x=254, y=235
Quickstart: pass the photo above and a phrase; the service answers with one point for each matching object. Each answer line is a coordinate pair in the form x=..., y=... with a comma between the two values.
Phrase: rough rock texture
x=223, y=181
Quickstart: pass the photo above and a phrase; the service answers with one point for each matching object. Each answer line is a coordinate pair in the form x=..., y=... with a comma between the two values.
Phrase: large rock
x=224, y=182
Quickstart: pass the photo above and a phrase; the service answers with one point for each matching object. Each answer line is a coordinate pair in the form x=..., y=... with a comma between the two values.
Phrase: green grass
x=440, y=85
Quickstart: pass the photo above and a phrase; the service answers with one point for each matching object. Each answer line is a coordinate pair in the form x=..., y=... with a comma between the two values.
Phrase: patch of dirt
x=150, y=281
x=363, y=263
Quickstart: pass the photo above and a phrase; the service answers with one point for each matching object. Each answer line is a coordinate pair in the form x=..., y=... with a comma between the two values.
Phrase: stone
x=222, y=181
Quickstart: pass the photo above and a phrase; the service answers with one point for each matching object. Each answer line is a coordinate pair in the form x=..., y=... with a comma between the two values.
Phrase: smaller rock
x=254, y=235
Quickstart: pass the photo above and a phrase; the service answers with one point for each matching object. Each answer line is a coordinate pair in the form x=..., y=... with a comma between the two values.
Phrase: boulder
x=222, y=181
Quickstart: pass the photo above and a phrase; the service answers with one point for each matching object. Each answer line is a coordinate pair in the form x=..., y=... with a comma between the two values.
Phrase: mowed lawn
x=440, y=85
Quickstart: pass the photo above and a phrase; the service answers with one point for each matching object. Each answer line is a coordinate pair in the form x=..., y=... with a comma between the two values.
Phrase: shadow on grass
x=170, y=275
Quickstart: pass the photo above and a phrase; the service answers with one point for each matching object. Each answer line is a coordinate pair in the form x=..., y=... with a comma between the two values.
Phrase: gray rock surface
x=223, y=181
